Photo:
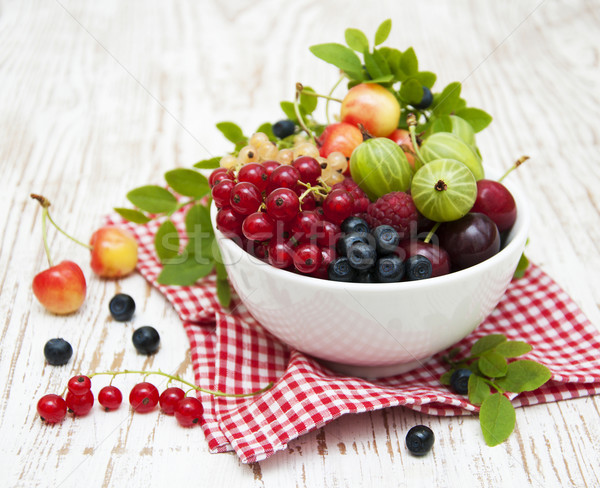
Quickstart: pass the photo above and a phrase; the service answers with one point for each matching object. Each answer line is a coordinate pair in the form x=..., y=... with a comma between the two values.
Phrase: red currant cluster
x=283, y=214
x=143, y=398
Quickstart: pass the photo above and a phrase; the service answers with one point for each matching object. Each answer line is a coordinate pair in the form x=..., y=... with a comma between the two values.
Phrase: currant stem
x=518, y=163
x=181, y=380
x=330, y=93
x=412, y=123
x=299, y=88
x=432, y=232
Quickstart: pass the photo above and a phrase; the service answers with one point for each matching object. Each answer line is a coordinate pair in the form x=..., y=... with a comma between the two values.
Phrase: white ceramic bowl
x=376, y=329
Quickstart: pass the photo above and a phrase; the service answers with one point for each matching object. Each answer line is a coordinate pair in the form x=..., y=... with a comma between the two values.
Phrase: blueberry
x=355, y=224
x=58, y=352
x=427, y=99
x=386, y=239
x=345, y=242
x=283, y=128
x=419, y=440
x=459, y=381
x=418, y=268
x=146, y=339
x=361, y=256
x=122, y=307
x=389, y=269
x=340, y=270
x=367, y=276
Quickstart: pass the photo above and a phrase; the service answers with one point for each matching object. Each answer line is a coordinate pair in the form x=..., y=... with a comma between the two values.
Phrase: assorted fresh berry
x=419, y=440
x=110, y=397
x=146, y=340
x=122, y=307
x=57, y=352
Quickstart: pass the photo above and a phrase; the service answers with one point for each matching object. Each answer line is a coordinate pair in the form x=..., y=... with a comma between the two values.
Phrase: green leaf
x=196, y=217
x=185, y=273
x=478, y=118
x=445, y=378
x=524, y=375
x=153, y=199
x=383, y=31
x=341, y=57
x=212, y=163
x=200, y=232
x=445, y=103
x=479, y=390
x=513, y=349
x=409, y=62
x=356, y=40
x=132, y=215
x=166, y=242
x=267, y=128
x=521, y=267
x=224, y=293
x=411, y=91
x=307, y=102
x=372, y=67
x=486, y=343
x=187, y=182
x=426, y=78
x=381, y=63
x=497, y=419
x=492, y=364
x=232, y=132
x=381, y=80
x=441, y=124
x=220, y=267
x=288, y=110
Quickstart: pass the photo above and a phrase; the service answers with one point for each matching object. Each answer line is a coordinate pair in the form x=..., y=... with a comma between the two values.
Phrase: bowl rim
x=517, y=238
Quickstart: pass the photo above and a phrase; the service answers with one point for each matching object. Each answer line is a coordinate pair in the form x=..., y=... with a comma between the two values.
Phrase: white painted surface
x=97, y=98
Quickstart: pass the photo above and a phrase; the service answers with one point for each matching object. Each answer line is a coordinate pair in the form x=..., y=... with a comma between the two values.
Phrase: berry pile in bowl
x=372, y=240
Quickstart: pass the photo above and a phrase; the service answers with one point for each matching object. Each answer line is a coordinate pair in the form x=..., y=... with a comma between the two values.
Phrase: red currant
x=338, y=205
x=217, y=175
x=258, y=227
x=143, y=397
x=52, y=408
x=329, y=234
x=308, y=201
x=328, y=254
x=80, y=404
x=280, y=254
x=309, y=169
x=229, y=222
x=283, y=177
x=188, y=412
x=270, y=166
x=110, y=397
x=254, y=173
x=307, y=258
x=79, y=385
x=221, y=193
x=283, y=204
x=245, y=198
x=169, y=398
x=306, y=226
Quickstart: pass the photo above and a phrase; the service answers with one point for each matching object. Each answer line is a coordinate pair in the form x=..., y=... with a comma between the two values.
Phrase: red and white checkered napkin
x=231, y=352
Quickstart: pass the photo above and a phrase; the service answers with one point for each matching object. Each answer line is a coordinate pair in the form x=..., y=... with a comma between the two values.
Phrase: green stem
x=330, y=93
x=431, y=232
x=64, y=233
x=518, y=163
x=45, y=236
x=181, y=380
x=297, y=112
x=412, y=122
x=493, y=385
x=319, y=95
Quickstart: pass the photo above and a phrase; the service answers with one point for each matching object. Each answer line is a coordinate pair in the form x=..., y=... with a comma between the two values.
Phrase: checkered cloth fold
x=231, y=352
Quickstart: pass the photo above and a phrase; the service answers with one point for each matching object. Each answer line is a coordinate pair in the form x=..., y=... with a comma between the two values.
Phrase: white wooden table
x=97, y=98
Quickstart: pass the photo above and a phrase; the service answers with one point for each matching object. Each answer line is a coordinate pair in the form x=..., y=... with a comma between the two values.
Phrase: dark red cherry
x=495, y=201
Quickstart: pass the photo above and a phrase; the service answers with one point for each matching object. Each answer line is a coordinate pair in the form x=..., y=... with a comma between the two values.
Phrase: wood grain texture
x=99, y=97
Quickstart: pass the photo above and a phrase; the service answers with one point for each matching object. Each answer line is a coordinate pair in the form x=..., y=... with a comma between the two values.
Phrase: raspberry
x=361, y=200
x=396, y=209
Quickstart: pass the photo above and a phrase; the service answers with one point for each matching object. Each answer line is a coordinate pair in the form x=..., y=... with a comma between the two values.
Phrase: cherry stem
x=518, y=163
x=64, y=233
x=432, y=232
x=328, y=99
x=319, y=95
x=299, y=89
x=181, y=380
x=412, y=123
x=45, y=236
